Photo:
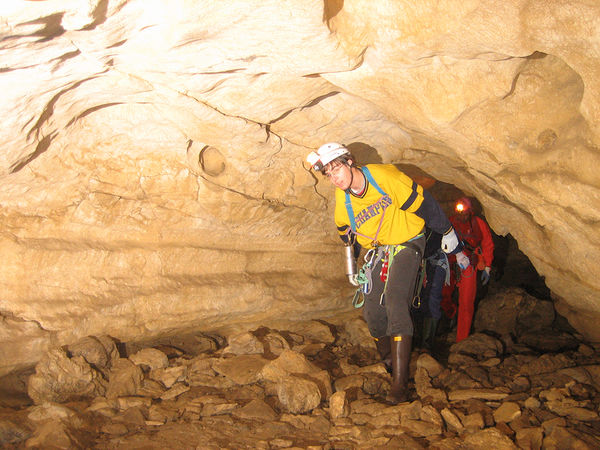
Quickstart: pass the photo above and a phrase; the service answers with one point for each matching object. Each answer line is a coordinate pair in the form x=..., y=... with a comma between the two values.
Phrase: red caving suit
x=479, y=247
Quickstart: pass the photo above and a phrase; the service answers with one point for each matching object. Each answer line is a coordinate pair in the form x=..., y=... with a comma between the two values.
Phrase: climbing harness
x=440, y=258
x=387, y=254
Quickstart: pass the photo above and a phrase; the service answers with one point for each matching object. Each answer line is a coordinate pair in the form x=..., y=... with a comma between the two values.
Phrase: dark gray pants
x=392, y=318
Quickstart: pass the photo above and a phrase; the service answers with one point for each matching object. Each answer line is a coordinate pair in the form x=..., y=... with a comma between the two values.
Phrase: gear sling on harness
x=373, y=256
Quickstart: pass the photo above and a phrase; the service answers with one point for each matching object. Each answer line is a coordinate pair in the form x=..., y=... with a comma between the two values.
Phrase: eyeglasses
x=332, y=170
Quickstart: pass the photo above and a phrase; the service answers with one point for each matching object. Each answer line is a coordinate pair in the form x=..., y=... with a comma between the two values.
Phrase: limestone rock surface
x=280, y=405
x=152, y=173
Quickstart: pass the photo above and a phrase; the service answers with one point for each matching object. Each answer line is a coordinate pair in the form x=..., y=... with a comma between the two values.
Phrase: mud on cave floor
x=316, y=384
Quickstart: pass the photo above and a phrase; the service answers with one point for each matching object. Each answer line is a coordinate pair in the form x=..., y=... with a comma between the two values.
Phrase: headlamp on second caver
x=463, y=205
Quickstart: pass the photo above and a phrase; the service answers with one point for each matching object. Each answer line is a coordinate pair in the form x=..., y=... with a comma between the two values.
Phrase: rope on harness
x=365, y=277
x=365, y=274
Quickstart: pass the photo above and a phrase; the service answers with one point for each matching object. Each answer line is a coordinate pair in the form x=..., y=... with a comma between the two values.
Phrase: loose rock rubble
x=316, y=384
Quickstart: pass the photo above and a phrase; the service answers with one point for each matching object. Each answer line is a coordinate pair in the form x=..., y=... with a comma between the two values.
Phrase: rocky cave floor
x=530, y=383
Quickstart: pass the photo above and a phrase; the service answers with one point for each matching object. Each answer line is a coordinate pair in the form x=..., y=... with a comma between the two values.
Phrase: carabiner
x=358, y=295
x=416, y=302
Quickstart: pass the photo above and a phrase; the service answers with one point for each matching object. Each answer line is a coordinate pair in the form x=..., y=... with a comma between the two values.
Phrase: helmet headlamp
x=315, y=161
x=463, y=206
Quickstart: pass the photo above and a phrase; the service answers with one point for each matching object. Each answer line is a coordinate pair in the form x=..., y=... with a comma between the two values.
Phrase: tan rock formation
x=152, y=177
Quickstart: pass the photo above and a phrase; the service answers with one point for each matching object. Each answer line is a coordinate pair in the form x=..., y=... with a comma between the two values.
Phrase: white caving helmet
x=325, y=154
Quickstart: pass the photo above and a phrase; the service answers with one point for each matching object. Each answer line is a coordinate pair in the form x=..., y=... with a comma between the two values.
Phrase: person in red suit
x=479, y=247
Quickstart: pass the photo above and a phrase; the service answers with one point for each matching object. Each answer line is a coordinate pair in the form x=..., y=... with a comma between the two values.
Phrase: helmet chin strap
x=351, y=179
x=349, y=190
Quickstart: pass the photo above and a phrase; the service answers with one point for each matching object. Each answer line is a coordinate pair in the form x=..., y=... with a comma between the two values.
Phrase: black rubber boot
x=434, y=326
x=430, y=330
x=425, y=337
x=384, y=349
x=401, y=347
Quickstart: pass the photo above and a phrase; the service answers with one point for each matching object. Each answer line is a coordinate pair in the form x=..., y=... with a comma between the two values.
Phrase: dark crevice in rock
x=52, y=27
x=90, y=111
x=117, y=44
x=534, y=55
x=99, y=15
x=331, y=8
x=49, y=109
x=8, y=315
x=45, y=141
x=66, y=56
x=319, y=99
x=40, y=148
x=310, y=104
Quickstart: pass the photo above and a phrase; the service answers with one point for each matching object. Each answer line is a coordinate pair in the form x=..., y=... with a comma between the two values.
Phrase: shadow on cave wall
x=364, y=154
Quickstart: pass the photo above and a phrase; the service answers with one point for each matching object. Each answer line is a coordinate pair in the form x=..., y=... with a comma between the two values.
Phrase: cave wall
x=152, y=175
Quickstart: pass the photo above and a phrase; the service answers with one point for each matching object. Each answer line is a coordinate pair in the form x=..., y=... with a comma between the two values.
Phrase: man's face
x=462, y=212
x=463, y=216
x=339, y=174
